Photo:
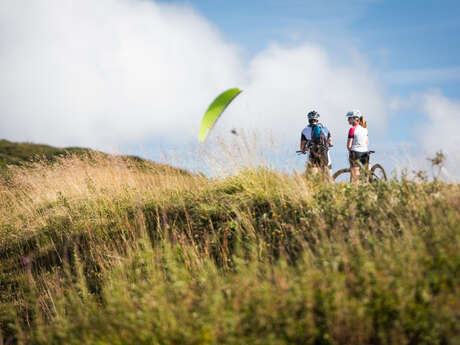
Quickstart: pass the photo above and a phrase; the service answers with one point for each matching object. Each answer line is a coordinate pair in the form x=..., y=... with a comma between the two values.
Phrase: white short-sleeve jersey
x=359, y=135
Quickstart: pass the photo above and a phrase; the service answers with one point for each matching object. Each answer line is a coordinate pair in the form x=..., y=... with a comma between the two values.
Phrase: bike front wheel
x=342, y=175
x=378, y=173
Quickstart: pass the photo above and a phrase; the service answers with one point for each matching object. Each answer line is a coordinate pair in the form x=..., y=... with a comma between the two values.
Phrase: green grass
x=107, y=252
x=25, y=154
x=12, y=153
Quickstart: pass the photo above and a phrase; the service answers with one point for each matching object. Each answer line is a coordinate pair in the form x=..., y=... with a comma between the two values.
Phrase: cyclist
x=317, y=139
x=357, y=144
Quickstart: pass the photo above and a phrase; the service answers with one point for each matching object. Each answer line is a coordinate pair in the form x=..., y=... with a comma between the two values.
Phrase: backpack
x=319, y=144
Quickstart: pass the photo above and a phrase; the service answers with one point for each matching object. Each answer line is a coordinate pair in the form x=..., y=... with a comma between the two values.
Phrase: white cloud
x=105, y=72
x=436, y=130
x=441, y=132
x=286, y=82
x=112, y=72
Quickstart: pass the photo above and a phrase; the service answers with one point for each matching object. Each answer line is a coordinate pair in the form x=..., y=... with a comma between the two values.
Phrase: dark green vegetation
x=25, y=154
x=110, y=253
x=12, y=153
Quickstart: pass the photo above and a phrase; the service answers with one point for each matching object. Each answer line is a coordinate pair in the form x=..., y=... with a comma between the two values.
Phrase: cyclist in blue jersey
x=316, y=138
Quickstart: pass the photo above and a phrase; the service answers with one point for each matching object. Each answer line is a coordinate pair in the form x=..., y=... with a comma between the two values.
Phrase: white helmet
x=353, y=113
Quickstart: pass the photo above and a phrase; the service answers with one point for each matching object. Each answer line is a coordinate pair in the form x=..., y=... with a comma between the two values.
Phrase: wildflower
x=285, y=206
x=268, y=244
x=273, y=232
x=295, y=211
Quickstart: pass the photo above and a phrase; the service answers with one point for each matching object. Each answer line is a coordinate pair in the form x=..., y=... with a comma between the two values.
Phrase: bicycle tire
x=375, y=176
x=341, y=172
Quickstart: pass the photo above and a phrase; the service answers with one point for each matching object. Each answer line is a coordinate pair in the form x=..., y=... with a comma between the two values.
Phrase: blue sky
x=413, y=46
x=394, y=35
x=135, y=76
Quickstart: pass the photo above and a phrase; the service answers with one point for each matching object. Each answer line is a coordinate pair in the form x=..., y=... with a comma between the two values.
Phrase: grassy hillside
x=12, y=153
x=106, y=252
x=25, y=154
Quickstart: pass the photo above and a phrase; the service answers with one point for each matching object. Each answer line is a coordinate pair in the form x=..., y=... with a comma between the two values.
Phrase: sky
x=135, y=76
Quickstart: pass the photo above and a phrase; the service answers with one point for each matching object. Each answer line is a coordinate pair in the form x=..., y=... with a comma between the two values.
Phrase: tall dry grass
x=104, y=250
x=29, y=196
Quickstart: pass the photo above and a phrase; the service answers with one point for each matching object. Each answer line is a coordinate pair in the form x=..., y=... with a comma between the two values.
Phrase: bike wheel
x=342, y=175
x=378, y=173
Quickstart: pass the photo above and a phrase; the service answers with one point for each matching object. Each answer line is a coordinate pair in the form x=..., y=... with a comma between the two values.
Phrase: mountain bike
x=375, y=173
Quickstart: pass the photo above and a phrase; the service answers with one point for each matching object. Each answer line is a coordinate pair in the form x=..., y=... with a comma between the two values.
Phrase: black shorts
x=318, y=157
x=358, y=157
x=319, y=160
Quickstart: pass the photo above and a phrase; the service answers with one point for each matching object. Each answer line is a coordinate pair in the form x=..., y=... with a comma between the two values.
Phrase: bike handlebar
x=302, y=152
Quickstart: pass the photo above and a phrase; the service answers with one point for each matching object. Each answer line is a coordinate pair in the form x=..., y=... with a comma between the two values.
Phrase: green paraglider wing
x=214, y=111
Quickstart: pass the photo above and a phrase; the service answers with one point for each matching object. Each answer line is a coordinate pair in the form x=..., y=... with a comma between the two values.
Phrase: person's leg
x=364, y=159
x=329, y=167
x=313, y=169
x=354, y=172
x=366, y=163
x=354, y=168
x=329, y=173
x=313, y=166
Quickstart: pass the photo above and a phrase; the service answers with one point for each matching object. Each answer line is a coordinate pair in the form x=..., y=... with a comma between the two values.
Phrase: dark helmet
x=313, y=115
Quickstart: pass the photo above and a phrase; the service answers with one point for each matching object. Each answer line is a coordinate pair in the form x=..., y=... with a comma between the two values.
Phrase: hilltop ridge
x=18, y=153
x=24, y=153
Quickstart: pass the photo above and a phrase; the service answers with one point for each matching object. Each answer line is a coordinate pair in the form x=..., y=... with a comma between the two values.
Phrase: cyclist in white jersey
x=357, y=144
x=314, y=162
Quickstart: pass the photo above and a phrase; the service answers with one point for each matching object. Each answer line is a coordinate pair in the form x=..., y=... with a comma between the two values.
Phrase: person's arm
x=303, y=146
x=329, y=140
x=349, y=142
x=351, y=134
x=303, y=143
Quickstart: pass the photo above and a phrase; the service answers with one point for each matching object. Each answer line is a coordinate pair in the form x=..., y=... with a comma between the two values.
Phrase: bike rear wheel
x=342, y=174
x=378, y=173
